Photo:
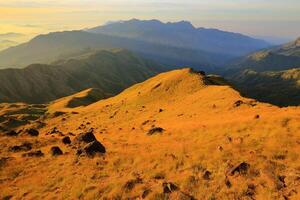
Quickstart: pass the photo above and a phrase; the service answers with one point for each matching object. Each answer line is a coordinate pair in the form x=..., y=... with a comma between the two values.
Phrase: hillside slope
x=281, y=88
x=109, y=71
x=178, y=135
x=275, y=59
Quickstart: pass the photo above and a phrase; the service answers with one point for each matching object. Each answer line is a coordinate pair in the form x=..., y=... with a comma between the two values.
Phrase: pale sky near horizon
x=279, y=18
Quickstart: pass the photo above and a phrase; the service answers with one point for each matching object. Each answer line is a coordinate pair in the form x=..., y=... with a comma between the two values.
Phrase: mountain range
x=183, y=35
x=172, y=44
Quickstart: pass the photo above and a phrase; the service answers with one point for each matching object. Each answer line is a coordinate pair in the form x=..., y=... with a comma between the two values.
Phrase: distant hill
x=110, y=71
x=281, y=88
x=184, y=35
x=61, y=45
x=279, y=58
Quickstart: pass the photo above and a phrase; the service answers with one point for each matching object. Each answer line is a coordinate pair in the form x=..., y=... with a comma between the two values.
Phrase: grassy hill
x=109, y=71
x=279, y=58
x=281, y=88
x=178, y=135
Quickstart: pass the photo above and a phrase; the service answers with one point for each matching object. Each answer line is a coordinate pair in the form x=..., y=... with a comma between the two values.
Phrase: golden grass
x=204, y=131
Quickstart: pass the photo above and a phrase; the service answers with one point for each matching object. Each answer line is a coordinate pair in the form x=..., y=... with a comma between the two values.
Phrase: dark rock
x=155, y=130
x=37, y=153
x=256, y=117
x=129, y=185
x=241, y=168
x=56, y=151
x=12, y=133
x=26, y=146
x=146, y=193
x=227, y=183
x=250, y=190
x=7, y=197
x=3, y=161
x=33, y=132
x=238, y=103
x=206, y=175
x=86, y=137
x=280, y=182
x=169, y=187
x=93, y=148
x=160, y=110
x=66, y=140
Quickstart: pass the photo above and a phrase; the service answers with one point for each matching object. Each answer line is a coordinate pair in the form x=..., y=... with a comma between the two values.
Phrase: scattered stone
x=169, y=187
x=146, y=193
x=238, y=103
x=58, y=113
x=129, y=185
x=227, y=183
x=155, y=130
x=280, y=183
x=256, y=117
x=93, y=148
x=71, y=134
x=160, y=110
x=145, y=122
x=7, y=197
x=250, y=190
x=32, y=132
x=3, y=161
x=86, y=137
x=56, y=151
x=206, y=175
x=12, y=133
x=26, y=146
x=220, y=148
x=241, y=168
x=66, y=140
x=37, y=153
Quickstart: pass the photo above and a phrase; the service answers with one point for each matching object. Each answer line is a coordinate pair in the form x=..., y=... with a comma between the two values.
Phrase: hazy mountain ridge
x=60, y=45
x=110, y=71
x=184, y=35
x=172, y=44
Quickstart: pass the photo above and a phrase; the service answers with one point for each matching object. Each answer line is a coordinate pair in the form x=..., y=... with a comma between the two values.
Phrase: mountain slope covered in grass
x=109, y=71
x=178, y=135
x=279, y=58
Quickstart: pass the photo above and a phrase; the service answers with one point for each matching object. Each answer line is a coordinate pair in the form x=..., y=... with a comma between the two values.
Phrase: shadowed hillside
x=178, y=135
x=110, y=71
x=281, y=88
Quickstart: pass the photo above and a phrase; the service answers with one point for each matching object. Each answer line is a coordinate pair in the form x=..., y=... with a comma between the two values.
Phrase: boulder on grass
x=93, y=148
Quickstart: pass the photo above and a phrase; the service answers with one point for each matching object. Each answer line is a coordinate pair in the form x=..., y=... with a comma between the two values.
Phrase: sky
x=276, y=18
